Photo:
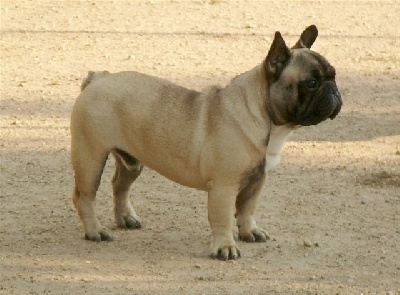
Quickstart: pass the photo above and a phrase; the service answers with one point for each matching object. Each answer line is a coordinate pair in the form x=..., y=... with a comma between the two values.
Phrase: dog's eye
x=312, y=84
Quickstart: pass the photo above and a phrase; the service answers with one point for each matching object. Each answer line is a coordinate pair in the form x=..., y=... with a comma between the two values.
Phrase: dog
x=221, y=140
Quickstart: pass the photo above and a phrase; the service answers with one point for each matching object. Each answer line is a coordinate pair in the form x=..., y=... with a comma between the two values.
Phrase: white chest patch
x=278, y=137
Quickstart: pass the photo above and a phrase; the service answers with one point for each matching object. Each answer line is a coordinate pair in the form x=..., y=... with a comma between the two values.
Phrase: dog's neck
x=247, y=92
x=270, y=109
x=255, y=100
x=254, y=96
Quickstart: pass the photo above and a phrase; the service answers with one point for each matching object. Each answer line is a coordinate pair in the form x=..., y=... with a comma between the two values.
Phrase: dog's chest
x=278, y=137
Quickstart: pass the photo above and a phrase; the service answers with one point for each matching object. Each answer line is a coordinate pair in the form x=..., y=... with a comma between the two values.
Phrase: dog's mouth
x=338, y=101
x=326, y=103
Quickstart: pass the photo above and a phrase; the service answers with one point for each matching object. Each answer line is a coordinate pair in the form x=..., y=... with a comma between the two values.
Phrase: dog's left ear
x=277, y=57
x=307, y=38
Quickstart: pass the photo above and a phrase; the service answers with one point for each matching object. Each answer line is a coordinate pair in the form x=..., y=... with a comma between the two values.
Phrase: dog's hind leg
x=127, y=170
x=88, y=165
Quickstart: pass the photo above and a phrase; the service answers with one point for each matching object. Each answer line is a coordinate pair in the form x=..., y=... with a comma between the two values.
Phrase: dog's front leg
x=246, y=204
x=221, y=206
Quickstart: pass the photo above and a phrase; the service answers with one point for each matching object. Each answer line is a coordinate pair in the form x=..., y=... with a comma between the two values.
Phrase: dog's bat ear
x=277, y=57
x=307, y=38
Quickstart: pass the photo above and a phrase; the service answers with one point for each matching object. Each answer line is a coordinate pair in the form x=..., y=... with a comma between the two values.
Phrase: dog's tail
x=92, y=76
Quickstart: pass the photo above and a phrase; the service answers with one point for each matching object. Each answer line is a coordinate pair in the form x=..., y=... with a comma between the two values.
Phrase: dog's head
x=301, y=83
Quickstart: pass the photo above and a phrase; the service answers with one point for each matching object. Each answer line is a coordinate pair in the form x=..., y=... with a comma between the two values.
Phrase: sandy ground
x=332, y=206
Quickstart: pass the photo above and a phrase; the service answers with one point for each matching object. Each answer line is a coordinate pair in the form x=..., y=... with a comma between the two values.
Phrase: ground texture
x=332, y=206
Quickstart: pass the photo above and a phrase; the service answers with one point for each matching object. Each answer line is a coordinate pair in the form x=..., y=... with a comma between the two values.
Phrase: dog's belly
x=174, y=169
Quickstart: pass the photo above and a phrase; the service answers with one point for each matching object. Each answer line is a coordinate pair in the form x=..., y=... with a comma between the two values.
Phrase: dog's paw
x=225, y=249
x=129, y=222
x=101, y=235
x=256, y=235
x=226, y=253
x=133, y=222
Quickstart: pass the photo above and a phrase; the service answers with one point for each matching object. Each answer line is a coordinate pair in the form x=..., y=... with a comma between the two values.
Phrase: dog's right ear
x=277, y=58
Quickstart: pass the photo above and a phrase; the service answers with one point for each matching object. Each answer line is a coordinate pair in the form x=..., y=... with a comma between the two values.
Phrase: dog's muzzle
x=326, y=103
x=337, y=101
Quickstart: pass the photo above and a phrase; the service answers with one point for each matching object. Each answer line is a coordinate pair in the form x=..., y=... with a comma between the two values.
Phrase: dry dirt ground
x=332, y=206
